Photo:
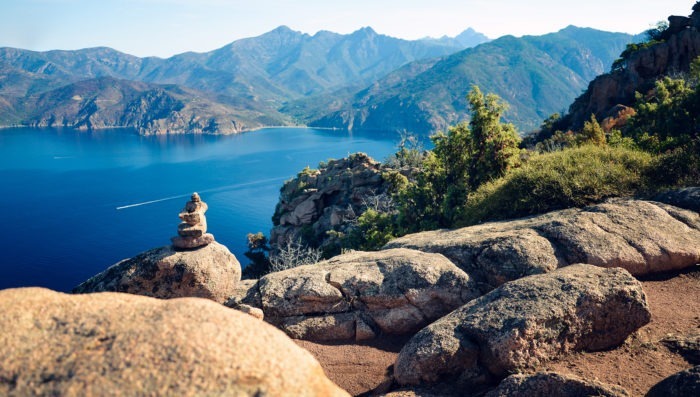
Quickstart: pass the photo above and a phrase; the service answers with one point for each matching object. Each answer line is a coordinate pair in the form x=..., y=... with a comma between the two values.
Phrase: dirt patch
x=358, y=368
x=641, y=362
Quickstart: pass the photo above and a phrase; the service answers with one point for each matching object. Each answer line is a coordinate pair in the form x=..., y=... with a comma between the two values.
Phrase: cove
x=75, y=202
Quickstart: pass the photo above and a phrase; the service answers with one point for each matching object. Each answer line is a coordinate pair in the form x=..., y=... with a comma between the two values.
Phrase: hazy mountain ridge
x=361, y=80
x=256, y=74
x=536, y=75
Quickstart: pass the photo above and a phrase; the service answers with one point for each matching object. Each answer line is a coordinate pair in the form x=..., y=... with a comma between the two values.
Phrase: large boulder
x=546, y=384
x=641, y=236
x=526, y=322
x=362, y=294
x=126, y=345
x=682, y=384
x=210, y=272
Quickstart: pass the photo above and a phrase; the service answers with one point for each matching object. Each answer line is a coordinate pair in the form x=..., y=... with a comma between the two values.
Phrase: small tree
x=257, y=253
x=465, y=157
x=592, y=133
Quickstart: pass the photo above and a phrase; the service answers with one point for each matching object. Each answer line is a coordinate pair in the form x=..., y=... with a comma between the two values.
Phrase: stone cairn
x=192, y=232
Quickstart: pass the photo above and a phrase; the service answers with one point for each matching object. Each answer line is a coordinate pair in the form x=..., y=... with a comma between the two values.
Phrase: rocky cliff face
x=330, y=198
x=640, y=71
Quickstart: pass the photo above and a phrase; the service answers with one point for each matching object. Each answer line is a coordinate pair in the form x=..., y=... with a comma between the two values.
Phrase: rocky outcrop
x=524, y=323
x=641, y=236
x=192, y=232
x=210, y=272
x=639, y=71
x=126, y=345
x=682, y=384
x=330, y=198
x=546, y=384
x=360, y=295
x=195, y=265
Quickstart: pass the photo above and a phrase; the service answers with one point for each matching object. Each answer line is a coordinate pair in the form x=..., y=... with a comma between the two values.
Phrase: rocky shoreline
x=485, y=308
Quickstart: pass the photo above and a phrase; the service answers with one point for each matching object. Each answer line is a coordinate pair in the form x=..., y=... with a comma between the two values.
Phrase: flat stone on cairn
x=192, y=232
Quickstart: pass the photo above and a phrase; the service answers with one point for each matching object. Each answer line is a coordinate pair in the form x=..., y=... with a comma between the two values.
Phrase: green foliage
x=463, y=159
x=569, y=178
x=558, y=141
x=632, y=48
x=592, y=133
x=257, y=254
x=668, y=117
x=373, y=230
x=409, y=153
x=679, y=167
x=658, y=32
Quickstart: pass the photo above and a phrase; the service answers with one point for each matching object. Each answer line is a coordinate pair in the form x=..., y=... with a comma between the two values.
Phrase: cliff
x=639, y=70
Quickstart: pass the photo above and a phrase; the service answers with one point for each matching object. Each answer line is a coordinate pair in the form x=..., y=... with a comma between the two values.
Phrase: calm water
x=63, y=192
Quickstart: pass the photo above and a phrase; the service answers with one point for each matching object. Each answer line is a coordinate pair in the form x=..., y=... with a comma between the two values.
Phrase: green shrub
x=373, y=230
x=569, y=178
x=677, y=168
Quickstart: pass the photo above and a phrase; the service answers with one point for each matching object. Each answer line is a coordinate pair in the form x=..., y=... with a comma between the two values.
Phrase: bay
x=74, y=203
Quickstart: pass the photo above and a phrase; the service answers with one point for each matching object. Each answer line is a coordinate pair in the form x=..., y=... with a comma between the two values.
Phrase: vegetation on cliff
x=480, y=171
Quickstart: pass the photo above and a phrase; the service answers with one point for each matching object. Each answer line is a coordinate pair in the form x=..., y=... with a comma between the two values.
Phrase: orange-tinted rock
x=113, y=344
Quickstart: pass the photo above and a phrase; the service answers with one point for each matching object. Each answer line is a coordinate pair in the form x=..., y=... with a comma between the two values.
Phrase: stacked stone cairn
x=192, y=232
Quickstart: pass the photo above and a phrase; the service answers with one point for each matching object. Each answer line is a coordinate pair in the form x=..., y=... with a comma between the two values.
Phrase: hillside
x=151, y=109
x=536, y=75
x=280, y=63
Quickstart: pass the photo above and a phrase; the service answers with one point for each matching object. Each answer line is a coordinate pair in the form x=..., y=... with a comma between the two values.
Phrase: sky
x=167, y=27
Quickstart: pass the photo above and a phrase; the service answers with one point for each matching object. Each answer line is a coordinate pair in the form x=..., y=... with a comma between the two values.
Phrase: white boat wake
x=217, y=189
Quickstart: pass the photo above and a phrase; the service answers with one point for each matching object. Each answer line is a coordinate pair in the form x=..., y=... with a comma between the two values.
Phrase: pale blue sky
x=167, y=27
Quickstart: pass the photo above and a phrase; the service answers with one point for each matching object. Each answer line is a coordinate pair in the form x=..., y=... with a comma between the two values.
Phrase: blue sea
x=74, y=203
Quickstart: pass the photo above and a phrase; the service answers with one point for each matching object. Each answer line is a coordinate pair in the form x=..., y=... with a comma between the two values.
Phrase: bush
x=677, y=168
x=569, y=178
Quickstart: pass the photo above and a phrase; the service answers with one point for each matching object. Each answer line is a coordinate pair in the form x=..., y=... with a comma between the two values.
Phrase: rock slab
x=526, y=322
x=125, y=345
x=210, y=272
x=641, y=236
x=362, y=294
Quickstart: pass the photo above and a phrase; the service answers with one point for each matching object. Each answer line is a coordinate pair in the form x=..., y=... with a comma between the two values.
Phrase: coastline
x=18, y=126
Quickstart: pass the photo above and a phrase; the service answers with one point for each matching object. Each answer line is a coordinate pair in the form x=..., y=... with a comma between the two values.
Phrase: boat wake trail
x=212, y=190
x=123, y=207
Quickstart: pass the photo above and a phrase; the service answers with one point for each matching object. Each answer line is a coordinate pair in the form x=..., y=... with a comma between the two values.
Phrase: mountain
x=256, y=74
x=279, y=64
x=536, y=75
x=467, y=39
x=151, y=109
x=361, y=80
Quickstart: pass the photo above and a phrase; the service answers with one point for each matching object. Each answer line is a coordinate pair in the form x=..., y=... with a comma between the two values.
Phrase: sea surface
x=74, y=203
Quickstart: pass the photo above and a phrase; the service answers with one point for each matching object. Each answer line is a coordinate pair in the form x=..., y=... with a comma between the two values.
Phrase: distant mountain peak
x=471, y=38
x=366, y=31
x=467, y=39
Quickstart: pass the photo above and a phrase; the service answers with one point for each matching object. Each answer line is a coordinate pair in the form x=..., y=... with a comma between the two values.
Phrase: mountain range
x=535, y=75
x=361, y=80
